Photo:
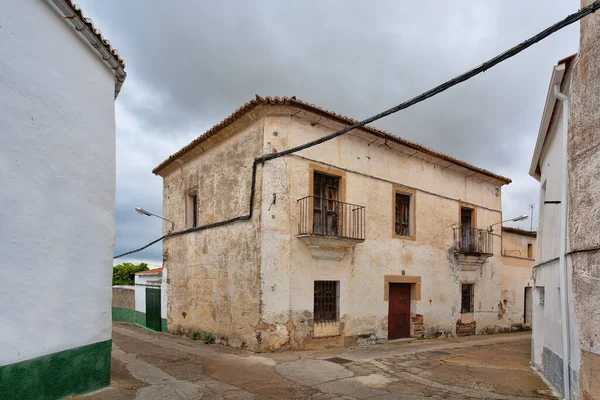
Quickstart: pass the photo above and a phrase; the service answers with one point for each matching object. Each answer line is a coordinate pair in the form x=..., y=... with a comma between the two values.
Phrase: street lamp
x=148, y=213
x=519, y=218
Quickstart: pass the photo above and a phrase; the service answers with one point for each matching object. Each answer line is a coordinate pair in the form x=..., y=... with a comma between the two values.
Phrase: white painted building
x=547, y=167
x=58, y=83
x=151, y=297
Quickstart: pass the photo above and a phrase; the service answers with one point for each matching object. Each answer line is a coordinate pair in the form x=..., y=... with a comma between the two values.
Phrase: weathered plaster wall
x=213, y=280
x=288, y=269
x=57, y=162
x=516, y=276
x=164, y=291
x=584, y=200
x=123, y=297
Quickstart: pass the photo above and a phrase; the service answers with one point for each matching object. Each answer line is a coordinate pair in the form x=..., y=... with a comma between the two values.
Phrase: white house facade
x=57, y=162
x=566, y=324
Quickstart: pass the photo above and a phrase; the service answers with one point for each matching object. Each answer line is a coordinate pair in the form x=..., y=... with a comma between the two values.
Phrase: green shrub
x=194, y=335
x=124, y=274
x=208, y=338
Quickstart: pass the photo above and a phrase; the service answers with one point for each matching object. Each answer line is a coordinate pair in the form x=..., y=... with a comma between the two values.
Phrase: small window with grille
x=327, y=301
x=467, y=298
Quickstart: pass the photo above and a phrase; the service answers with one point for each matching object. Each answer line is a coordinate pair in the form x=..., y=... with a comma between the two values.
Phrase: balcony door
x=326, y=206
x=466, y=231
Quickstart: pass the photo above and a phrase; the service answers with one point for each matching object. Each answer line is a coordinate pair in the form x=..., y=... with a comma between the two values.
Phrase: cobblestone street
x=149, y=365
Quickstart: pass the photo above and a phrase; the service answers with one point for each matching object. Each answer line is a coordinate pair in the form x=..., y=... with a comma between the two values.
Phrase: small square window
x=467, y=298
x=327, y=301
x=192, y=210
x=404, y=217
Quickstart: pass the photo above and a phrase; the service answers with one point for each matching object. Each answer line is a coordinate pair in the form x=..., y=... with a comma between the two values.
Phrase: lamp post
x=148, y=213
x=519, y=218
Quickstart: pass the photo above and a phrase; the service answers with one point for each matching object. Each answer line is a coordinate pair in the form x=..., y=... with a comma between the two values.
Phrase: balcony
x=330, y=227
x=472, y=247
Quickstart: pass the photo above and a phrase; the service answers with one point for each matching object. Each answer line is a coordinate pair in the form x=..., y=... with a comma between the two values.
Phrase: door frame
x=158, y=326
x=415, y=293
x=410, y=313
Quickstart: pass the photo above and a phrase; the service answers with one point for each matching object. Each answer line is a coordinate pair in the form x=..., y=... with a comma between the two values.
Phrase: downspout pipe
x=563, y=284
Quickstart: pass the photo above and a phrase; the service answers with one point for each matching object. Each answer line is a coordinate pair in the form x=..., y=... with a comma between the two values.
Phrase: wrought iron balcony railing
x=473, y=241
x=325, y=217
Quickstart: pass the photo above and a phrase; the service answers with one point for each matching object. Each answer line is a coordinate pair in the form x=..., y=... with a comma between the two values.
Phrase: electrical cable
x=424, y=96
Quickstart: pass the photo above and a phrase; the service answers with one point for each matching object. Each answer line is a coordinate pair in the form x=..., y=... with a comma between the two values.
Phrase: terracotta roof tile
x=155, y=271
x=519, y=231
x=90, y=24
x=294, y=102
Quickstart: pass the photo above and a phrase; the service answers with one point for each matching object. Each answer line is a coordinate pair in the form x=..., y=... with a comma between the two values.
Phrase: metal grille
x=473, y=241
x=326, y=301
x=467, y=298
x=324, y=217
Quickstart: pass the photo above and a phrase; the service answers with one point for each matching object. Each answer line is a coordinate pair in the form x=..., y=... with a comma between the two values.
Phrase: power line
x=422, y=97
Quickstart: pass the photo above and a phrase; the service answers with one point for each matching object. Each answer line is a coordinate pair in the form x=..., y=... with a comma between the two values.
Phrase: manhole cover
x=338, y=360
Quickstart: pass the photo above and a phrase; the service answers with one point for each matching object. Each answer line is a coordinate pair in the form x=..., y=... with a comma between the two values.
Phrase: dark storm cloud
x=190, y=64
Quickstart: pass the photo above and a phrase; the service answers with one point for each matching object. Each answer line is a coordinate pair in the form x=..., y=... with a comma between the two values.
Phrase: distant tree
x=124, y=274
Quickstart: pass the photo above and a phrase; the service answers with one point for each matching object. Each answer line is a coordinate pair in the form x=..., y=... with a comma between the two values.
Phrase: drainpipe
x=564, y=312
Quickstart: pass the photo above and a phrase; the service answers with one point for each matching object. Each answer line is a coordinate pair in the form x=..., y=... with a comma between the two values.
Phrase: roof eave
x=558, y=73
x=293, y=102
x=93, y=36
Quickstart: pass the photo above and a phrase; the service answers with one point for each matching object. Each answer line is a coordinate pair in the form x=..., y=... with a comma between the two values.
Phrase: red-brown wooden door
x=399, y=311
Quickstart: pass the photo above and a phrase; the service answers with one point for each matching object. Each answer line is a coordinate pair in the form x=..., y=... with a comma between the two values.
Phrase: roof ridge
x=295, y=102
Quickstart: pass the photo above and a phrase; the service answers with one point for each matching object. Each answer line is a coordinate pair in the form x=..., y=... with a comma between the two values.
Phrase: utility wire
x=424, y=96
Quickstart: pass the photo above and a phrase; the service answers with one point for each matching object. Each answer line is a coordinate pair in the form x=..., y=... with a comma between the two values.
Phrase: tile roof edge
x=155, y=271
x=72, y=12
x=294, y=102
x=519, y=231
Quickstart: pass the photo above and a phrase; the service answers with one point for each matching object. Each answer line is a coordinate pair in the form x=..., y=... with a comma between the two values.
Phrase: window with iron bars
x=467, y=298
x=327, y=301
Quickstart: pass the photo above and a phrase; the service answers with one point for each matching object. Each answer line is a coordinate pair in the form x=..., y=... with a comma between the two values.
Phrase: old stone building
x=363, y=238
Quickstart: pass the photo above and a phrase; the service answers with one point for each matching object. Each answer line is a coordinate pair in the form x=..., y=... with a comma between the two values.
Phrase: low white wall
x=57, y=162
x=141, y=283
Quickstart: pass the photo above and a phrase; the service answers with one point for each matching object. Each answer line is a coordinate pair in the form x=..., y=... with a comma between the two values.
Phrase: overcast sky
x=191, y=63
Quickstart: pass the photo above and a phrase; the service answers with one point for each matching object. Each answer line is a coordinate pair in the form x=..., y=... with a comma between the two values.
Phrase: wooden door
x=466, y=231
x=399, y=311
x=153, y=309
x=326, y=205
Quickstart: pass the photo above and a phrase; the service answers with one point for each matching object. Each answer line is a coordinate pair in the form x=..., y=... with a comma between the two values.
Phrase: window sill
x=326, y=329
x=413, y=237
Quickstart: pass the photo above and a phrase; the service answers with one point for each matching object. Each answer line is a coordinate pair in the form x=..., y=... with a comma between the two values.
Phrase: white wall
x=547, y=318
x=57, y=168
x=144, y=281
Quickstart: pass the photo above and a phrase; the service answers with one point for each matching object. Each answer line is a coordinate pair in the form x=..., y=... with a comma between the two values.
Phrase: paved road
x=149, y=365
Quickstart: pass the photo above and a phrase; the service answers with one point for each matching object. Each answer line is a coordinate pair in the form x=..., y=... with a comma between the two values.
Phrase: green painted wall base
x=134, y=317
x=57, y=375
